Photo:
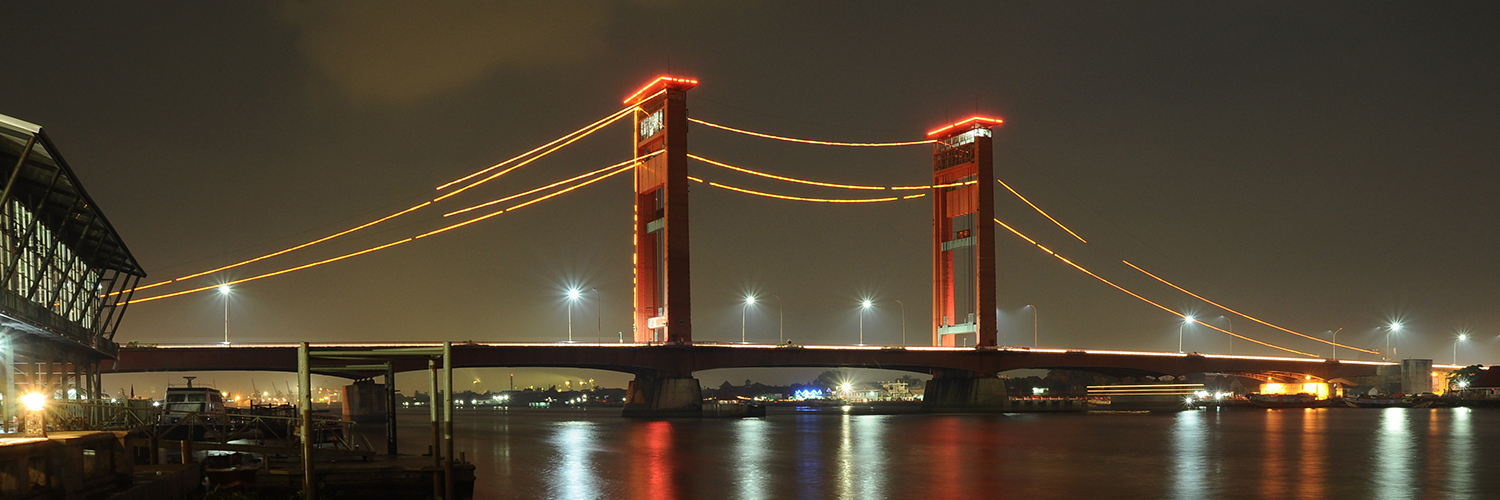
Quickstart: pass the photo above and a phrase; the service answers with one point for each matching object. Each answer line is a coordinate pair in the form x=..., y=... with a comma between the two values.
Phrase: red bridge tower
x=662, y=287
x=963, y=238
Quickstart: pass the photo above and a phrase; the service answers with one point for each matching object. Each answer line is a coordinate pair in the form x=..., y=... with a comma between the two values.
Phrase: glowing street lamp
x=780, y=320
x=573, y=294
x=1395, y=327
x=1186, y=320
x=224, y=290
x=36, y=414
x=749, y=301
x=1034, y=321
x=863, y=305
x=903, y=321
x=1461, y=337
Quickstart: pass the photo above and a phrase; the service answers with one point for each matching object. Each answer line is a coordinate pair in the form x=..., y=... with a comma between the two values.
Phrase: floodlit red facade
x=663, y=291
x=963, y=239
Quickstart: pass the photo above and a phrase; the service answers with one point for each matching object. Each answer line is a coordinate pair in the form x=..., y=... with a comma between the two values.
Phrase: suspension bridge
x=962, y=351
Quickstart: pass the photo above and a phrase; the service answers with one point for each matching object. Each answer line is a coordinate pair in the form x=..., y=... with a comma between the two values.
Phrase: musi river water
x=1229, y=453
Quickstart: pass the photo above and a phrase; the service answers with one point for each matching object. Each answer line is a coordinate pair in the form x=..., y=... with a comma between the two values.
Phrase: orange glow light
x=799, y=198
x=1243, y=315
x=1149, y=301
x=667, y=81
x=810, y=141
x=780, y=178
x=590, y=131
x=550, y=186
x=277, y=273
x=989, y=122
x=1040, y=211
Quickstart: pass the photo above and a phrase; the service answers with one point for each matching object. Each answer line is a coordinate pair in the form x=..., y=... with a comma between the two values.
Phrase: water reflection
x=1189, y=468
x=1461, y=454
x=1313, y=460
x=574, y=474
x=750, y=449
x=1394, y=455
x=870, y=457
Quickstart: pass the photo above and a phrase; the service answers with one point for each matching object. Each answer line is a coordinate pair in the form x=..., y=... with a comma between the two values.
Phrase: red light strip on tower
x=810, y=141
x=1243, y=315
x=979, y=119
x=681, y=81
x=1146, y=300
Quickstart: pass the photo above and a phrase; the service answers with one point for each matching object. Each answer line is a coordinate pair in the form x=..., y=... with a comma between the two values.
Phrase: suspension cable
x=825, y=184
x=381, y=247
x=1243, y=315
x=809, y=141
x=815, y=200
x=1040, y=211
x=1146, y=300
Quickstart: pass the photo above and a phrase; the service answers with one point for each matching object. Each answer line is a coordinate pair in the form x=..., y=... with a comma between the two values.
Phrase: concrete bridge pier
x=959, y=390
x=662, y=395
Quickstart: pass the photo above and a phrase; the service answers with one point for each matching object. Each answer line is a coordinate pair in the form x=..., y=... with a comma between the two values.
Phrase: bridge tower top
x=963, y=240
x=663, y=310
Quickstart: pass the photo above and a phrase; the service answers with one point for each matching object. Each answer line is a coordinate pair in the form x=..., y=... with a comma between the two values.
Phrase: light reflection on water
x=1323, y=453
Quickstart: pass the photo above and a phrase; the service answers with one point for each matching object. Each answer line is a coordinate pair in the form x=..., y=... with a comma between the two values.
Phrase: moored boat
x=1286, y=400
x=1368, y=402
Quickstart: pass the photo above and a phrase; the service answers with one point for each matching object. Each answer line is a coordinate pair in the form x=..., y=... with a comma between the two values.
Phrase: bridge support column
x=963, y=234
x=662, y=396
x=964, y=391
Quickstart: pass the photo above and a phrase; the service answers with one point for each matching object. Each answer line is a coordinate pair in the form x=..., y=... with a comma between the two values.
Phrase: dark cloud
x=401, y=52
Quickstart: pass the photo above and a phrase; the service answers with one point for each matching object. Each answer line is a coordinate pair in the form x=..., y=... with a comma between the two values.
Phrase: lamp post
x=1186, y=320
x=573, y=294
x=1034, y=313
x=1395, y=327
x=748, y=301
x=598, y=322
x=1336, y=343
x=1461, y=337
x=862, y=306
x=780, y=320
x=224, y=290
x=903, y=321
x=1231, y=330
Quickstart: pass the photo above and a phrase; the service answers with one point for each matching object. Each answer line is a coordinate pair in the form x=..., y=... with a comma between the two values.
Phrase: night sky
x=1319, y=166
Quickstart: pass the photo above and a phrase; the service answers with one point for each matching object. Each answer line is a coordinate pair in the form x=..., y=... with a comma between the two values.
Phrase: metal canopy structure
x=65, y=274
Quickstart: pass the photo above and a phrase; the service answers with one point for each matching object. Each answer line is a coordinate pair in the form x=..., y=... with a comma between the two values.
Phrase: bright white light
x=573, y=293
x=866, y=304
x=845, y=386
x=1463, y=336
x=34, y=401
x=1396, y=327
x=224, y=289
x=1188, y=319
x=750, y=300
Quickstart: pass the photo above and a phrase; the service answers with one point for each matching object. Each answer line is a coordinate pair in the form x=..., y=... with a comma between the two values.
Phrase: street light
x=903, y=321
x=224, y=290
x=573, y=294
x=1336, y=343
x=862, y=306
x=749, y=300
x=780, y=320
x=1186, y=320
x=1034, y=313
x=1231, y=330
x=598, y=322
x=1395, y=327
x=1461, y=337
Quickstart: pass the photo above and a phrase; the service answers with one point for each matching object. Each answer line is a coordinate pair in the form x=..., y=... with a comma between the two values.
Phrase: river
x=1230, y=453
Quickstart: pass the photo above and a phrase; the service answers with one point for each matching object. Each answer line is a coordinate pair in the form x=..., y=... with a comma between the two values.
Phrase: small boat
x=1286, y=400
x=1367, y=402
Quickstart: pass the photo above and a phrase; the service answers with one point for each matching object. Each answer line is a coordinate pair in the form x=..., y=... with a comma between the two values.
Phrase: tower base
x=663, y=397
x=965, y=393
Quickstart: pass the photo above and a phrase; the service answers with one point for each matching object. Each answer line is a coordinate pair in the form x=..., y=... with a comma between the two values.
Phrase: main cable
x=1146, y=300
x=632, y=164
x=1243, y=315
x=809, y=141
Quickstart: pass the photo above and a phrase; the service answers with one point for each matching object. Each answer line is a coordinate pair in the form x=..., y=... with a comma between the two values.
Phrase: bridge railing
x=156, y=421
